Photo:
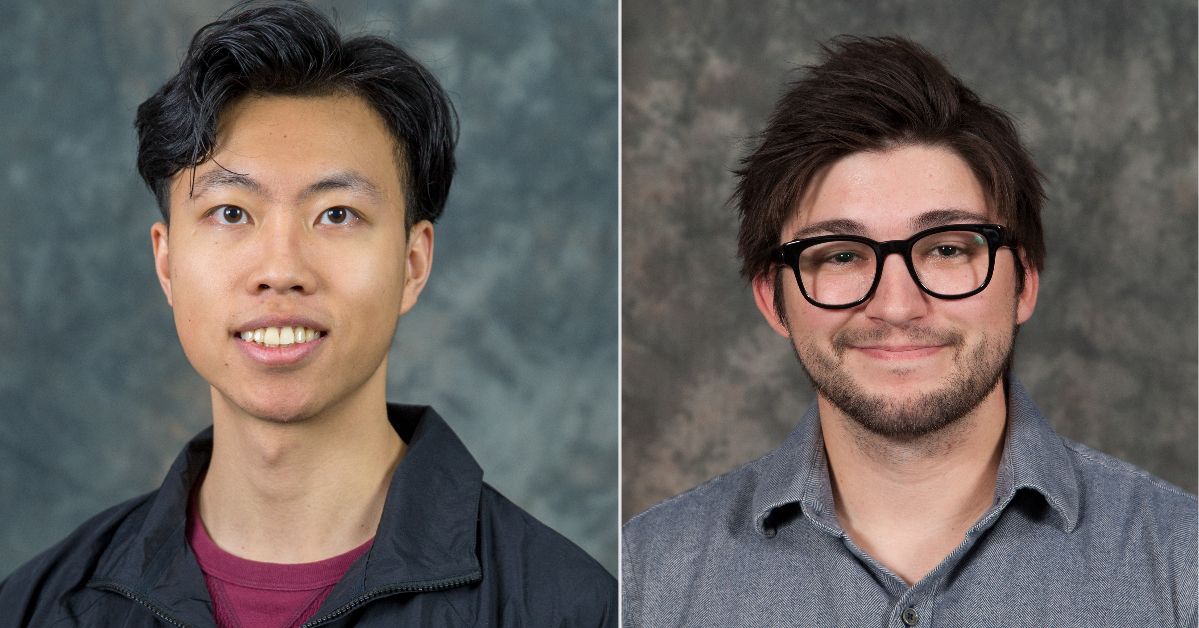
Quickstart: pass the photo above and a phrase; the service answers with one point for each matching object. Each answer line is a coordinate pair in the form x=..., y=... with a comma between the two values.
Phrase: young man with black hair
x=298, y=177
x=890, y=229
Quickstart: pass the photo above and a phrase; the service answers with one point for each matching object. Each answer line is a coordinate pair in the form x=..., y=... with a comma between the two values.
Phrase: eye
x=842, y=258
x=337, y=216
x=230, y=215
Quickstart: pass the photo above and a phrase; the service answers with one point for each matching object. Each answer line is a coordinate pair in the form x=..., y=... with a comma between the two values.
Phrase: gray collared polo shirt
x=1073, y=538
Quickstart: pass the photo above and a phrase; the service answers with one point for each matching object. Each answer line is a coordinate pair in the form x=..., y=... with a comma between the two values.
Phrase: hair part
x=873, y=95
x=288, y=48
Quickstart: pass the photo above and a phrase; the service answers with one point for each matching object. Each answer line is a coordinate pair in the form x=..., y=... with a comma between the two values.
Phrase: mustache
x=916, y=334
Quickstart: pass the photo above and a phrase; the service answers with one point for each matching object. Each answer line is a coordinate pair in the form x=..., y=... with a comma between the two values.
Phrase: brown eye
x=337, y=216
x=230, y=215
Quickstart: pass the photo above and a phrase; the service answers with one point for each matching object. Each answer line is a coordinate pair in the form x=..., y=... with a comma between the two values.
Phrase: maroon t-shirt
x=250, y=594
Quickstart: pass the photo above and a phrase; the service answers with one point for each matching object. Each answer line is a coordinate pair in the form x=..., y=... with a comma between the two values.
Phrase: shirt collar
x=796, y=473
x=1034, y=457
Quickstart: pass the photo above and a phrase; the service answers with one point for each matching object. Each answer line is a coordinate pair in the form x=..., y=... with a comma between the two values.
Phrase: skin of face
x=902, y=347
x=296, y=219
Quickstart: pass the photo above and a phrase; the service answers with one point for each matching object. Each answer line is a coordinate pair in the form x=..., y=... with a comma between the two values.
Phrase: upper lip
x=290, y=320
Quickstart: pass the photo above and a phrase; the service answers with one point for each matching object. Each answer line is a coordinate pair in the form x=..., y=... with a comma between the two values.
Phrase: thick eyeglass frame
x=789, y=254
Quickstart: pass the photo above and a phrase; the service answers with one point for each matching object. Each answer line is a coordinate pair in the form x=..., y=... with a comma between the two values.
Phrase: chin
x=904, y=388
x=279, y=407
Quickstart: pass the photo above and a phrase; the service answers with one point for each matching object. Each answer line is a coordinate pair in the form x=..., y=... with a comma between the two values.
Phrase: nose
x=897, y=299
x=281, y=259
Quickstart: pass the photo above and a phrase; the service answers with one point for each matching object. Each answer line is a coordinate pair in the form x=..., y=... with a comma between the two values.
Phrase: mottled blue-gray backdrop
x=514, y=340
x=1105, y=95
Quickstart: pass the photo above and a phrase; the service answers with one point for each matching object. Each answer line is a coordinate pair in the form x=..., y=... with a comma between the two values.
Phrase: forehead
x=279, y=146
x=890, y=194
x=303, y=120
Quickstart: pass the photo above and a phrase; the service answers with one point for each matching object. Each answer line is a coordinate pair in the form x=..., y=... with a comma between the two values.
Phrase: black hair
x=288, y=48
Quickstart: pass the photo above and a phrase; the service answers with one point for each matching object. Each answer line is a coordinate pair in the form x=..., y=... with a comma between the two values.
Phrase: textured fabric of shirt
x=252, y=594
x=1073, y=538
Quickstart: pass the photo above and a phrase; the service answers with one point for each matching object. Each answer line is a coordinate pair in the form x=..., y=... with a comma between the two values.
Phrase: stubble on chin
x=976, y=371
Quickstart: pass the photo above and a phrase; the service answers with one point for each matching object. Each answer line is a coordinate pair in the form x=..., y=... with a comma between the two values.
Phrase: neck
x=908, y=503
x=300, y=491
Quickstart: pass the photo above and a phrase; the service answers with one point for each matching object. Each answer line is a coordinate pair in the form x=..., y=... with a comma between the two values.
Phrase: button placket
x=914, y=608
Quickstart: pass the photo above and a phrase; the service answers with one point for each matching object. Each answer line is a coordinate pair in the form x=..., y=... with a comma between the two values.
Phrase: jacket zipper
x=137, y=597
x=392, y=590
x=351, y=605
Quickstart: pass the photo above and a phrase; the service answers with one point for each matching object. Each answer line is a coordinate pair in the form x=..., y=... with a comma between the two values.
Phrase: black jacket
x=449, y=551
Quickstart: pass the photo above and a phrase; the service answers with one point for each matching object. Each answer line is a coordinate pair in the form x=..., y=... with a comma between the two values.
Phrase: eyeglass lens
x=949, y=263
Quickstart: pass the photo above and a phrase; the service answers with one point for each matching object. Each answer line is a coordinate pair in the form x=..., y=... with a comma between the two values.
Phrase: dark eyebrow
x=349, y=180
x=220, y=177
x=837, y=226
x=939, y=217
x=927, y=220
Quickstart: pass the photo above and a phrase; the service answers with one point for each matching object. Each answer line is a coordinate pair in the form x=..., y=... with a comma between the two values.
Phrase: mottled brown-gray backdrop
x=513, y=341
x=1105, y=96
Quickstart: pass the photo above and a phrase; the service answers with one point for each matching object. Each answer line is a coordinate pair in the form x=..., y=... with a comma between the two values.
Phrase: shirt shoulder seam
x=1119, y=466
x=739, y=470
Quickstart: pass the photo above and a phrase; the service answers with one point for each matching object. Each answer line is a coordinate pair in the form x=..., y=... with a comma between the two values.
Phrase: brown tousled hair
x=873, y=95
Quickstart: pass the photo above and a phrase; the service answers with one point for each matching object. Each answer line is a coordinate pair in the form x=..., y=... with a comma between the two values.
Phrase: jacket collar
x=426, y=537
x=1034, y=457
x=428, y=532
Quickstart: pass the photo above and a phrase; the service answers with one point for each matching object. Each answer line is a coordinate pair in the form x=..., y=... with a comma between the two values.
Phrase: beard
x=977, y=370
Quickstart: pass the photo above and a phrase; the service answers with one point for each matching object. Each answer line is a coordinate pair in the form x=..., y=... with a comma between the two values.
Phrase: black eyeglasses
x=841, y=271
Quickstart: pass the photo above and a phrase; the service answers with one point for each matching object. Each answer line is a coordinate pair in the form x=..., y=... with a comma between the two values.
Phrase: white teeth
x=280, y=336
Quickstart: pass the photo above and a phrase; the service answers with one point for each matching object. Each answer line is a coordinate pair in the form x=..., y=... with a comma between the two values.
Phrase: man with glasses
x=890, y=228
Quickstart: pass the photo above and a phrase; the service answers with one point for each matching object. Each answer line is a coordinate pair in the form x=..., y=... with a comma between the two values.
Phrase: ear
x=418, y=262
x=763, y=286
x=162, y=259
x=1026, y=301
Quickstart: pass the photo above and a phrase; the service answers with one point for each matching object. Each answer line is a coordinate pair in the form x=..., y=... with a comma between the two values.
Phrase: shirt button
x=910, y=616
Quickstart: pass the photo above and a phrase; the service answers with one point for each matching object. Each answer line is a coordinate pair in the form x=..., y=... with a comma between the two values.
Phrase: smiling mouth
x=900, y=352
x=280, y=336
x=900, y=349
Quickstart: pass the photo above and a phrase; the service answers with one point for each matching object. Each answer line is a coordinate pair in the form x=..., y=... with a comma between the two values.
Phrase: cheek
x=999, y=306
x=810, y=324
x=370, y=281
x=202, y=298
x=992, y=316
x=196, y=285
